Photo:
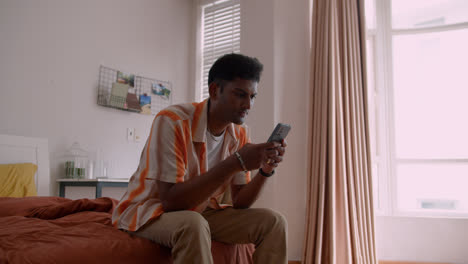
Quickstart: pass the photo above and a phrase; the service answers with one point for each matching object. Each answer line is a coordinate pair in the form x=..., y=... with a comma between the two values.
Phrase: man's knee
x=193, y=223
x=272, y=218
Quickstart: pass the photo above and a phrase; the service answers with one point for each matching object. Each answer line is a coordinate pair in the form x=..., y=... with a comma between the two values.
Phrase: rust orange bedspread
x=60, y=230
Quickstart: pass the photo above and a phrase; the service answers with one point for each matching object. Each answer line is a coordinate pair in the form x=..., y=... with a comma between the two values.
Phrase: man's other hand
x=274, y=158
x=266, y=155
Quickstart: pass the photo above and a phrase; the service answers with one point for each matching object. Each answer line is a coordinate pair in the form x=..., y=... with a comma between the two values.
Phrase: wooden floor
x=381, y=262
x=407, y=262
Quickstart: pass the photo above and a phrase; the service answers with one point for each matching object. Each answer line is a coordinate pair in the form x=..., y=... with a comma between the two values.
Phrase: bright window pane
x=372, y=97
x=427, y=13
x=433, y=187
x=430, y=94
x=376, y=186
x=370, y=13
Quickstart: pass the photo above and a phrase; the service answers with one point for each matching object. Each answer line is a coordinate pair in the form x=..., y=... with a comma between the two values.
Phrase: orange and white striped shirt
x=175, y=151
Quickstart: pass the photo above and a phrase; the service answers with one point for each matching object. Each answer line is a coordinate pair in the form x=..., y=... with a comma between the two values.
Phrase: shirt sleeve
x=166, y=151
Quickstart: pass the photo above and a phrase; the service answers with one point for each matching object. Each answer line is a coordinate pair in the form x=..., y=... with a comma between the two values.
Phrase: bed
x=49, y=229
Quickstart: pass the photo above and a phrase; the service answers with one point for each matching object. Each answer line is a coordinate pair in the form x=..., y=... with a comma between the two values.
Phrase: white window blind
x=220, y=35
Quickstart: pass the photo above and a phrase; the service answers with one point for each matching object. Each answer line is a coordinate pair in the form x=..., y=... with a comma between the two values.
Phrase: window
x=417, y=55
x=220, y=34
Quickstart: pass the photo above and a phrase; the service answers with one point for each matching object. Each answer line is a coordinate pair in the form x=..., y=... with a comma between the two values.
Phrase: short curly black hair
x=231, y=66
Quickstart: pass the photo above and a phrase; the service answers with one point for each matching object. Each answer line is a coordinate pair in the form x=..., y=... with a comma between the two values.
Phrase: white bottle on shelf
x=90, y=173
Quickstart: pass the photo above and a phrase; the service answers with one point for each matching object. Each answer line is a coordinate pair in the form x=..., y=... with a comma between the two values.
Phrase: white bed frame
x=18, y=149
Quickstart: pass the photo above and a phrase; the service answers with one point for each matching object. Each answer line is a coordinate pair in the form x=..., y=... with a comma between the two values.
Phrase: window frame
x=382, y=38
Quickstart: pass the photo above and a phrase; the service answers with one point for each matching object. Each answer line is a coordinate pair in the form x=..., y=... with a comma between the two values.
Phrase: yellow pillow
x=17, y=180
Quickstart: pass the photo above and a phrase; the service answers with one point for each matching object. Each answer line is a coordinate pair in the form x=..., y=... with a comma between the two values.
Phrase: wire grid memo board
x=132, y=93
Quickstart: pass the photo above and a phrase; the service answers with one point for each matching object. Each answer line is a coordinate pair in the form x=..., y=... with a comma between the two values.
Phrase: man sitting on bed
x=196, y=163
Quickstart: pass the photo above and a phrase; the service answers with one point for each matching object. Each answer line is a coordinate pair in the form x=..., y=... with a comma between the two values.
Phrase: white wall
x=50, y=53
x=422, y=239
x=276, y=32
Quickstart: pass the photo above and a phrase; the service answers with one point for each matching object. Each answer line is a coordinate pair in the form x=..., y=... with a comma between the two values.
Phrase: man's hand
x=275, y=157
x=266, y=155
x=254, y=155
x=269, y=155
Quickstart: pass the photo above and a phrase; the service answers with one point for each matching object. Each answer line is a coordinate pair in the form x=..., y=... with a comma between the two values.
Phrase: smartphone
x=279, y=133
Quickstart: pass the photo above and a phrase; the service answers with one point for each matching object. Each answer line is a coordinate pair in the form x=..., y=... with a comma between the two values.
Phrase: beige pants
x=189, y=233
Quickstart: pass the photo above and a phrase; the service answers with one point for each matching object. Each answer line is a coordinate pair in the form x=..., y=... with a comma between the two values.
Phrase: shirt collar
x=202, y=124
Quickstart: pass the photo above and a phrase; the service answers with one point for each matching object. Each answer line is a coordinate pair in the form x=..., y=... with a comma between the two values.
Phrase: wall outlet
x=130, y=134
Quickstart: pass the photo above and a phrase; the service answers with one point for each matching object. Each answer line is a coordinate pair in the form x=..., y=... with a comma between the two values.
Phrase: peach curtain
x=340, y=219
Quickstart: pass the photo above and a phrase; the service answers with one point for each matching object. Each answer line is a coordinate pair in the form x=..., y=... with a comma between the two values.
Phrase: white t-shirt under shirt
x=214, y=144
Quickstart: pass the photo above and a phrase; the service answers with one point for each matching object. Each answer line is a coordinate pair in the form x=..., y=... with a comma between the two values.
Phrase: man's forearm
x=249, y=193
x=189, y=194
